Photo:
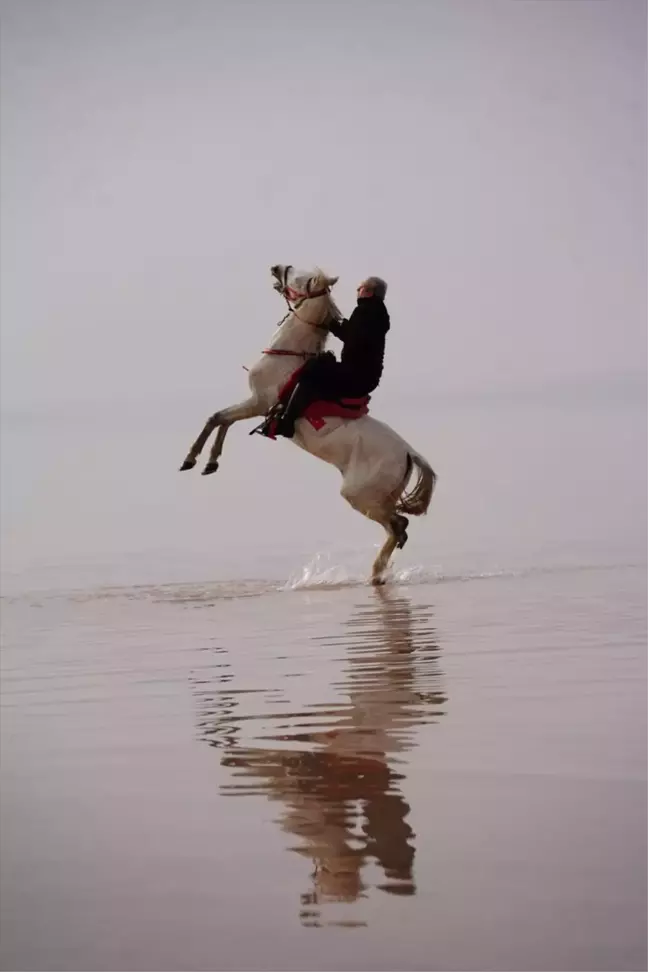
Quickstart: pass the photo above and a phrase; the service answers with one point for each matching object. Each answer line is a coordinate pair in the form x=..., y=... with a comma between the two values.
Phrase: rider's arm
x=339, y=328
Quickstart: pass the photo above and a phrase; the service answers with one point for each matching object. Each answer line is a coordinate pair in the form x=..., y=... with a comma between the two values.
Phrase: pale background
x=487, y=158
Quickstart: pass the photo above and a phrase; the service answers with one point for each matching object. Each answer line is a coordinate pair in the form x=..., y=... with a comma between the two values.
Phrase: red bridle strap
x=291, y=294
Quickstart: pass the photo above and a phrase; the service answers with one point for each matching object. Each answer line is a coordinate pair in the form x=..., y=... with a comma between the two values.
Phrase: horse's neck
x=296, y=334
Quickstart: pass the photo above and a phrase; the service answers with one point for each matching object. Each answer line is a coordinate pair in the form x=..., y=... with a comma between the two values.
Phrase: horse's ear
x=331, y=281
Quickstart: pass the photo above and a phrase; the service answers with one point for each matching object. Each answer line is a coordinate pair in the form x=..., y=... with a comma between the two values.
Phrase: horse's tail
x=416, y=501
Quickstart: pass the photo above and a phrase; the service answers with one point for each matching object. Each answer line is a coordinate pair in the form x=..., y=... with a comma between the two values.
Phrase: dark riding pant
x=322, y=379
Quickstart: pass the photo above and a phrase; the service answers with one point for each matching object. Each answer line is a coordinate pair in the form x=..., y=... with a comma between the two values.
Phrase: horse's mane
x=324, y=280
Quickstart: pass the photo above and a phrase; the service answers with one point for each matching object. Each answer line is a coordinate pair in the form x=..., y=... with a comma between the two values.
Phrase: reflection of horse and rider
x=343, y=797
x=321, y=403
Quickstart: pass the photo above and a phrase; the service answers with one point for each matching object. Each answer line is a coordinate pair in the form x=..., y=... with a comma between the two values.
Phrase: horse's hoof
x=210, y=468
x=187, y=464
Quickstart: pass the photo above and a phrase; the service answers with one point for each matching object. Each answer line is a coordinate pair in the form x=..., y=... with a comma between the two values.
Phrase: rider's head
x=373, y=287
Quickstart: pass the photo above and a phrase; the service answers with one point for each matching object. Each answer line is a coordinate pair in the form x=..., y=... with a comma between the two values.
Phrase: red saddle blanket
x=317, y=412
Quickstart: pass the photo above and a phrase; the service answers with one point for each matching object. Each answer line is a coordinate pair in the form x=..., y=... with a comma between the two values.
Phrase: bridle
x=297, y=297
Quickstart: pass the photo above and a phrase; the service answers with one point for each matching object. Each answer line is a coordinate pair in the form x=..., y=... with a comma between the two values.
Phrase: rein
x=292, y=354
x=289, y=294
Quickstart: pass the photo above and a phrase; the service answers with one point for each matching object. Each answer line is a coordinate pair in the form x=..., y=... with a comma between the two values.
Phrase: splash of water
x=323, y=572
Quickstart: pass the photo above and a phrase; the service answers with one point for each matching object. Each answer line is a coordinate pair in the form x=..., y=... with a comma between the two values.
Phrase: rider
x=360, y=367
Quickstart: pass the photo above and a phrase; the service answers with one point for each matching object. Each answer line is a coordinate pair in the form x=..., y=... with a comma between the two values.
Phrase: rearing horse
x=375, y=462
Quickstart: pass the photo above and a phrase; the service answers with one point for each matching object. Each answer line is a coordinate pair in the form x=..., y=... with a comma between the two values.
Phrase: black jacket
x=363, y=337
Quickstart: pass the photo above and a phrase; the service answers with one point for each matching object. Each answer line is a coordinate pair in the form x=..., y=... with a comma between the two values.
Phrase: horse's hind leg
x=395, y=527
x=399, y=525
x=381, y=562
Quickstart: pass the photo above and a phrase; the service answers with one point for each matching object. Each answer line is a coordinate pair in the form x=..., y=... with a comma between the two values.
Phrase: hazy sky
x=488, y=157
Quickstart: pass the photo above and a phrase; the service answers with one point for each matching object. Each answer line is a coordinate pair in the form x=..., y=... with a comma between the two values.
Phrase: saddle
x=316, y=412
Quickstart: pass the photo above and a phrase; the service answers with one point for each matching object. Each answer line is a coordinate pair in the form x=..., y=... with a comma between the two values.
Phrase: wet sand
x=431, y=776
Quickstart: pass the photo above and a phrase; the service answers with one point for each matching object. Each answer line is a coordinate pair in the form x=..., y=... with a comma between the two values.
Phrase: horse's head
x=308, y=295
x=309, y=290
x=299, y=285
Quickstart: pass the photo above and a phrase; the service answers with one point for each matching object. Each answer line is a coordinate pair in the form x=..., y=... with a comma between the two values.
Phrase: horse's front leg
x=212, y=422
x=221, y=421
x=237, y=413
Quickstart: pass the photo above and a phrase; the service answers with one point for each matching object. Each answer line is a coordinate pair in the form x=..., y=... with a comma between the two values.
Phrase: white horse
x=375, y=462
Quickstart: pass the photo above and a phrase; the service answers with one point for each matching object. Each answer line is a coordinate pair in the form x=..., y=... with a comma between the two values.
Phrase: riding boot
x=295, y=407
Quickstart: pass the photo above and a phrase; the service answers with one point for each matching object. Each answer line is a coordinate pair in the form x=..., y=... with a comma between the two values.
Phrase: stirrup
x=268, y=427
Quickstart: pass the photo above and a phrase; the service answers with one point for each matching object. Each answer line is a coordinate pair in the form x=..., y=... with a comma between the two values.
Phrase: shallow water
x=433, y=775
x=219, y=752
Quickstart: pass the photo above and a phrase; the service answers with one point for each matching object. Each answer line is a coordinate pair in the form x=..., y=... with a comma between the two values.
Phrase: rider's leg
x=314, y=383
x=304, y=393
